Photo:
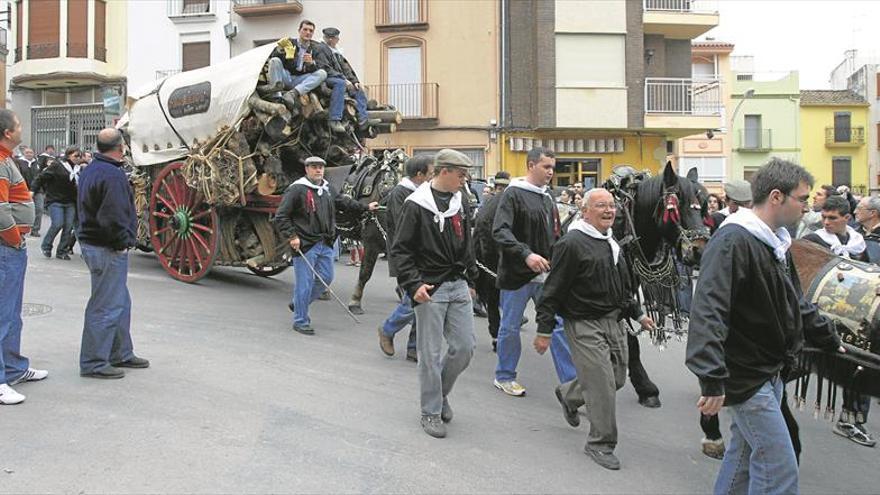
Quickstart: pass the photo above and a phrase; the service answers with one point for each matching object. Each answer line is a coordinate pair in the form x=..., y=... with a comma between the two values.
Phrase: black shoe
x=412, y=355
x=291, y=307
x=495, y=345
x=290, y=99
x=433, y=425
x=446, y=413
x=479, y=312
x=47, y=254
x=135, y=362
x=652, y=402
x=305, y=330
x=571, y=415
x=63, y=256
x=269, y=89
x=108, y=373
x=605, y=459
x=325, y=296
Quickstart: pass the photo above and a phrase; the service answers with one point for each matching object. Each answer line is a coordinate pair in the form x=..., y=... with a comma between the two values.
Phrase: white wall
x=154, y=40
x=345, y=15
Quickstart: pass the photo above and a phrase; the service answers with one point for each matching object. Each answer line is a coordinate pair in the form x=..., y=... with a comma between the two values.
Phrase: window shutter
x=196, y=55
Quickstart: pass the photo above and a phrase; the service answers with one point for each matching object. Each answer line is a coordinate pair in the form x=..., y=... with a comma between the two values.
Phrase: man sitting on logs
x=340, y=81
x=292, y=67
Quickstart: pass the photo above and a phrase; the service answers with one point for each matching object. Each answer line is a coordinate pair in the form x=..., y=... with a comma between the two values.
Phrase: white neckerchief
x=854, y=247
x=425, y=198
x=582, y=226
x=71, y=171
x=324, y=187
x=407, y=183
x=779, y=241
x=528, y=186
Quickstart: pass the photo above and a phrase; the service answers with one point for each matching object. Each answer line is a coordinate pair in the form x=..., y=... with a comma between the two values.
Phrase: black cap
x=331, y=32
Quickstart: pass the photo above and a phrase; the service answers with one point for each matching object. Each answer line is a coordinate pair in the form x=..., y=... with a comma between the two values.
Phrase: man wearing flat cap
x=340, y=81
x=738, y=194
x=307, y=217
x=486, y=251
x=436, y=268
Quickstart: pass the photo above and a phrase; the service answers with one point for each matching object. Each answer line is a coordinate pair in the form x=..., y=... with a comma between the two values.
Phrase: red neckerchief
x=310, y=202
x=557, y=227
x=456, y=226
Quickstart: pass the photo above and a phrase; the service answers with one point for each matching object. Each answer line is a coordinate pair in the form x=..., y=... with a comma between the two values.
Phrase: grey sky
x=805, y=35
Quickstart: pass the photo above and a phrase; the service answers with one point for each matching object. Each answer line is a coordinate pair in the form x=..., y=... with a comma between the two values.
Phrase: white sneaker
x=511, y=388
x=31, y=375
x=8, y=396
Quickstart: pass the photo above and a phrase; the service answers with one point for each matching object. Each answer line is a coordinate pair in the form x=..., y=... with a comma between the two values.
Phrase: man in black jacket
x=435, y=266
x=327, y=60
x=418, y=170
x=589, y=288
x=307, y=216
x=748, y=323
x=486, y=251
x=30, y=170
x=292, y=66
x=107, y=230
x=836, y=235
x=525, y=228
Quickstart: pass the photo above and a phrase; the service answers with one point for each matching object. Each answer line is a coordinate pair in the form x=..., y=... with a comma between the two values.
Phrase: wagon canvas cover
x=197, y=104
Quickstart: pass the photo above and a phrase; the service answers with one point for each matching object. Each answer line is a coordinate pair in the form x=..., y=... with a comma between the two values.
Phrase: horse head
x=669, y=210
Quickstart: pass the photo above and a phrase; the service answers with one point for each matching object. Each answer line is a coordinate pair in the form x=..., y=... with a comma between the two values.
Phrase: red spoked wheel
x=184, y=230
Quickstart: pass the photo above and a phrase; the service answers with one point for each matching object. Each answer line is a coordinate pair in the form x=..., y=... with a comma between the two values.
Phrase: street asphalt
x=236, y=402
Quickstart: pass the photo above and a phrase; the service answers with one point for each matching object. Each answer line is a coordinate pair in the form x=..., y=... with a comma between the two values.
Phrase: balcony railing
x=683, y=6
x=413, y=101
x=162, y=74
x=396, y=14
x=255, y=8
x=44, y=50
x=844, y=136
x=683, y=96
x=189, y=8
x=755, y=140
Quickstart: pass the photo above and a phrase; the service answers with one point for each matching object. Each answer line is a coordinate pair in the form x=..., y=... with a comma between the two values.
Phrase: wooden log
x=385, y=128
x=386, y=116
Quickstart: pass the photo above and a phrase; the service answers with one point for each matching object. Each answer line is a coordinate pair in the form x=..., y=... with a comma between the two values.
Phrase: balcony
x=260, y=8
x=162, y=74
x=755, y=140
x=844, y=137
x=680, y=19
x=673, y=103
x=190, y=10
x=417, y=102
x=401, y=15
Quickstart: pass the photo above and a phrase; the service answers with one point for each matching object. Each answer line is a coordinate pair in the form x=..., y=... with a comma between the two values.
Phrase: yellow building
x=437, y=62
x=603, y=86
x=833, y=126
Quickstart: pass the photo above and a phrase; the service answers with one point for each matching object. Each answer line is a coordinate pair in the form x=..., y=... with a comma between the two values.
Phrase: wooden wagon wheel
x=184, y=230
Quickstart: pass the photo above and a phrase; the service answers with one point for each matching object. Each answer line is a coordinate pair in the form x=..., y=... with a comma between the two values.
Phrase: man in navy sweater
x=107, y=230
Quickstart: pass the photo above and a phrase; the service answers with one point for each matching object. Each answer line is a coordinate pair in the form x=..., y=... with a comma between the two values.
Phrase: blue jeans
x=402, y=316
x=760, y=457
x=305, y=288
x=106, y=334
x=303, y=83
x=513, y=305
x=62, y=215
x=337, y=99
x=13, y=263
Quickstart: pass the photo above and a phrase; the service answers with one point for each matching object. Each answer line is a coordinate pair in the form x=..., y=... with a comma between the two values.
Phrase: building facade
x=709, y=152
x=437, y=62
x=602, y=86
x=833, y=128
x=860, y=72
x=765, y=120
x=67, y=58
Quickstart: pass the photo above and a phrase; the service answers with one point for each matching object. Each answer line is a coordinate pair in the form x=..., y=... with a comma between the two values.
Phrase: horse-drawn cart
x=211, y=159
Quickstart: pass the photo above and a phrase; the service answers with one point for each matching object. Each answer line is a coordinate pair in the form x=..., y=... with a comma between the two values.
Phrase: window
x=77, y=28
x=43, y=29
x=842, y=127
x=590, y=60
x=752, y=134
x=878, y=85
x=101, y=30
x=477, y=155
x=196, y=6
x=54, y=98
x=878, y=136
x=404, y=78
x=841, y=171
x=583, y=170
x=709, y=168
x=404, y=11
x=196, y=55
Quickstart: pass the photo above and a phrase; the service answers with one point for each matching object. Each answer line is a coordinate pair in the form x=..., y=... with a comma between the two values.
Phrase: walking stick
x=315, y=272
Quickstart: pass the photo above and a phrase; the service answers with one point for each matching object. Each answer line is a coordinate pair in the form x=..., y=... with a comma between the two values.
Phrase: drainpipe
x=503, y=76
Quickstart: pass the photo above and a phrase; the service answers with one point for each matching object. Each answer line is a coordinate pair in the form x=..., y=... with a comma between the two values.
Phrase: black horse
x=660, y=222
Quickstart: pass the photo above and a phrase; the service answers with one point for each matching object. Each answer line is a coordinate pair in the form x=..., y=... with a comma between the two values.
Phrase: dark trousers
x=490, y=295
x=637, y=374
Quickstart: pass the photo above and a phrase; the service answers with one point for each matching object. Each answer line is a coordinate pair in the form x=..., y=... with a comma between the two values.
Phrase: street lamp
x=746, y=95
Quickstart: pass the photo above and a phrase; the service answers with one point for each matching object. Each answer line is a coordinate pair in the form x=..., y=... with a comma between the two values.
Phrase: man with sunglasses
x=107, y=230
